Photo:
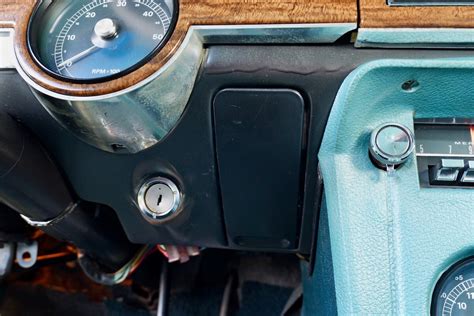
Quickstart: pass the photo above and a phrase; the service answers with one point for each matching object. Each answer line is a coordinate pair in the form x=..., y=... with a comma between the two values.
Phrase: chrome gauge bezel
x=32, y=36
x=441, y=282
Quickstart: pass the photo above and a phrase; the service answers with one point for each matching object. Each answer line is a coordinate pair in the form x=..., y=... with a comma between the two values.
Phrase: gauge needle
x=69, y=62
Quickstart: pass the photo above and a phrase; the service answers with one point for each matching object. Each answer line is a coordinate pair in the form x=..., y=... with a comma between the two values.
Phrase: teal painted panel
x=390, y=239
x=319, y=293
x=415, y=37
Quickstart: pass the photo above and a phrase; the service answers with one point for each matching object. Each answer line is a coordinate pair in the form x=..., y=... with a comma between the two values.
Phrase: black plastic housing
x=32, y=185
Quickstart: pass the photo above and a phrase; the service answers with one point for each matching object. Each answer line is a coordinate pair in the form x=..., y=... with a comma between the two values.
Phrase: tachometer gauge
x=454, y=294
x=96, y=40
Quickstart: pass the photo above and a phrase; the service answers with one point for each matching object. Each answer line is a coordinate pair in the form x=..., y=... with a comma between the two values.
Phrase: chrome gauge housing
x=98, y=40
x=454, y=293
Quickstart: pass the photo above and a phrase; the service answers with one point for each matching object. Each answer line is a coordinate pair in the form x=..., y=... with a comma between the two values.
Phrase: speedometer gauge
x=96, y=40
x=454, y=294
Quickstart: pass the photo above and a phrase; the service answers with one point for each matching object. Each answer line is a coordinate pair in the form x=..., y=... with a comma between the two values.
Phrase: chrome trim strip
x=415, y=38
x=273, y=33
x=71, y=208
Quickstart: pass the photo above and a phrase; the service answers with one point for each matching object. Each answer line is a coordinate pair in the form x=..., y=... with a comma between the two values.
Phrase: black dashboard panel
x=259, y=146
x=188, y=153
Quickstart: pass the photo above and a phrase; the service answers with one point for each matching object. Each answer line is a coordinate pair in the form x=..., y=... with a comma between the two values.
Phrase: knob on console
x=390, y=145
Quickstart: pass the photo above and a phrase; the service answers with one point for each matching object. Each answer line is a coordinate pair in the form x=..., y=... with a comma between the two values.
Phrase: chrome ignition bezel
x=153, y=217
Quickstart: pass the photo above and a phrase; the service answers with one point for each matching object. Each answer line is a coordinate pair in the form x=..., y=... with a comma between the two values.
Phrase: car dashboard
x=337, y=132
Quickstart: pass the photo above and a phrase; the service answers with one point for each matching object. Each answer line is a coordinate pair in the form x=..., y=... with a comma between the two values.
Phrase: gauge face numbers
x=91, y=40
x=454, y=294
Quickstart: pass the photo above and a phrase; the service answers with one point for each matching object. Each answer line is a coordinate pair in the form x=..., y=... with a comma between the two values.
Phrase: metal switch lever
x=468, y=176
x=449, y=170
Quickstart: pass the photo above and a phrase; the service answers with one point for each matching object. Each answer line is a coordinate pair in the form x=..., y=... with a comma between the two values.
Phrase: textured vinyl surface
x=391, y=239
x=415, y=37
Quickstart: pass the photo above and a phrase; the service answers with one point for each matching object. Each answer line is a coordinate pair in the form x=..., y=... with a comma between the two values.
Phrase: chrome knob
x=391, y=144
